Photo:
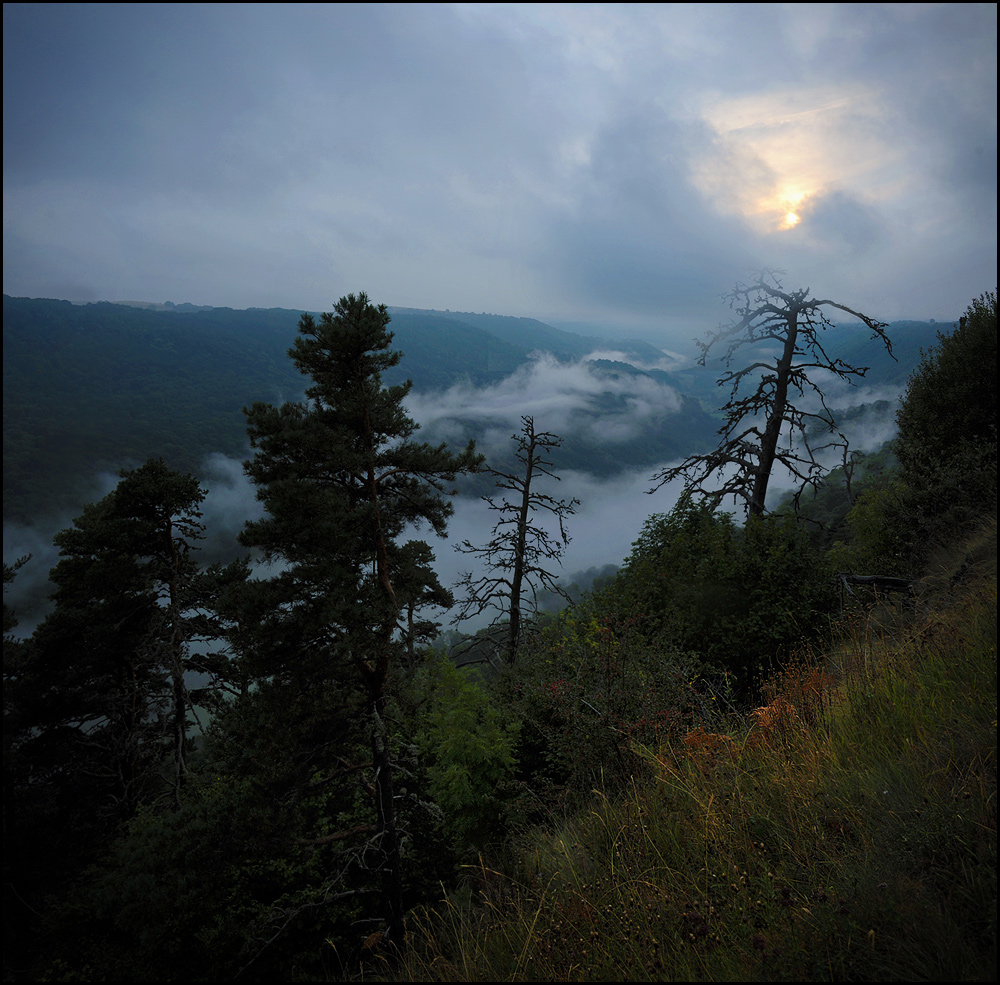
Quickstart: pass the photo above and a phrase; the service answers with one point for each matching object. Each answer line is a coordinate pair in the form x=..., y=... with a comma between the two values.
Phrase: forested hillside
x=98, y=387
x=730, y=761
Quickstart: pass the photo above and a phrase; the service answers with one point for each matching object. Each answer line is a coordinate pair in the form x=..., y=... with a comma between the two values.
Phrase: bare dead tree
x=519, y=552
x=754, y=424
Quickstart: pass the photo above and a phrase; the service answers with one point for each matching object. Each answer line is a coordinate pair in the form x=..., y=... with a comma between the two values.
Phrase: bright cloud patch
x=564, y=397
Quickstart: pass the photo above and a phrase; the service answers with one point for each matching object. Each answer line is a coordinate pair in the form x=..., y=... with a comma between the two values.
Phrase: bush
x=739, y=598
x=591, y=694
x=466, y=748
x=950, y=406
x=947, y=447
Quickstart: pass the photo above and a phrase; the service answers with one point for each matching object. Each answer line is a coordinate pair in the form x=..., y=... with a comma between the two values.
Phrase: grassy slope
x=853, y=839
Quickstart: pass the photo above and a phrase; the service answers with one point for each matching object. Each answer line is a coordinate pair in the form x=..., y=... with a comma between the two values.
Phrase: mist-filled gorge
x=499, y=492
x=621, y=413
x=255, y=657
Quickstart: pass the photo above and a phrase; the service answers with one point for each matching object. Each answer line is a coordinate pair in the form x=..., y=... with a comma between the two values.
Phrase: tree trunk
x=776, y=417
x=385, y=808
x=178, y=685
x=387, y=834
x=517, y=579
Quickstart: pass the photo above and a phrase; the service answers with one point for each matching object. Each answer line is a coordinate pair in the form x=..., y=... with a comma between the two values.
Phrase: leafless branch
x=749, y=447
x=519, y=552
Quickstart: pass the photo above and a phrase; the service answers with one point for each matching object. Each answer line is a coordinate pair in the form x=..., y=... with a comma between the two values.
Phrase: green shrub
x=739, y=598
x=467, y=748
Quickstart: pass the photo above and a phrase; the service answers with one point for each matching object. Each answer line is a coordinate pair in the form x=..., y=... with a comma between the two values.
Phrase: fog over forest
x=610, y=169
x=559, y=395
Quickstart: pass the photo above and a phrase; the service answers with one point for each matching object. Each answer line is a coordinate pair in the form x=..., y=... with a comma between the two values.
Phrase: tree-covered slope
x=101, y=386
x=98, y=387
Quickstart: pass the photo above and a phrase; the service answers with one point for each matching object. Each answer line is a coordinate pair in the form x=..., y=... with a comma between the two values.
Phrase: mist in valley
x=575, y=400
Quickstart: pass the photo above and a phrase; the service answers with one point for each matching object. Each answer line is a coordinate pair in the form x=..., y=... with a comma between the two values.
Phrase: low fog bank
x=611, y=417
x=608, y=519
x=579, y=400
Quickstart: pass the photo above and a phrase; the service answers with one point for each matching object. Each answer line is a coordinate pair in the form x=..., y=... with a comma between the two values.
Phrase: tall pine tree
x=108, y=664
x=97, y=705
x=341, y=478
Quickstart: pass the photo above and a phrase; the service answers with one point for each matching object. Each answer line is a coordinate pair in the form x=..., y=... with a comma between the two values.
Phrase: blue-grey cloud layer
x=618, y=164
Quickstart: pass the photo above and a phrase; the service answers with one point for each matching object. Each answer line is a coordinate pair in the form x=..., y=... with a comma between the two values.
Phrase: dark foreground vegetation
x=843, y=831
x=724, y=764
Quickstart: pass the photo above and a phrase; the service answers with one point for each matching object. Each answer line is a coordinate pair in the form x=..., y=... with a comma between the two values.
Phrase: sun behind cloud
x=775, y=151
x=783, y=210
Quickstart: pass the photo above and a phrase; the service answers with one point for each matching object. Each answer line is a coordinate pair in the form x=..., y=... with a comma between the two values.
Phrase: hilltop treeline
x=100, y=387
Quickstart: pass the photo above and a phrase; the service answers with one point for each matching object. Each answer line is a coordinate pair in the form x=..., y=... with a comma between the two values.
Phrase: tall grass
x=845, y=832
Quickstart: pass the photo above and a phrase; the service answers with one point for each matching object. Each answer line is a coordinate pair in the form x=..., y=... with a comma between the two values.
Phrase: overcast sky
x=615, y=165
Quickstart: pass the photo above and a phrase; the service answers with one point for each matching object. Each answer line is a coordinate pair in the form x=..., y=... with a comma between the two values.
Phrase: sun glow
x=785, y=207
x=774, y=152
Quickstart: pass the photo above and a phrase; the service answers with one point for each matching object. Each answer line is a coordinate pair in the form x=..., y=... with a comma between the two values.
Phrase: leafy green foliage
x=947, y=449
x=826, y=508
x=947, y=442
x=881, y=533
x=950, y=405
x=855, y=843
x=590, y=693
x=467, y=746
x=675, y=576
x=740, y=598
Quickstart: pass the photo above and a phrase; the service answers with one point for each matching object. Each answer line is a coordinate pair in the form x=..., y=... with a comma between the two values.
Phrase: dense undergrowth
x=844, y=832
